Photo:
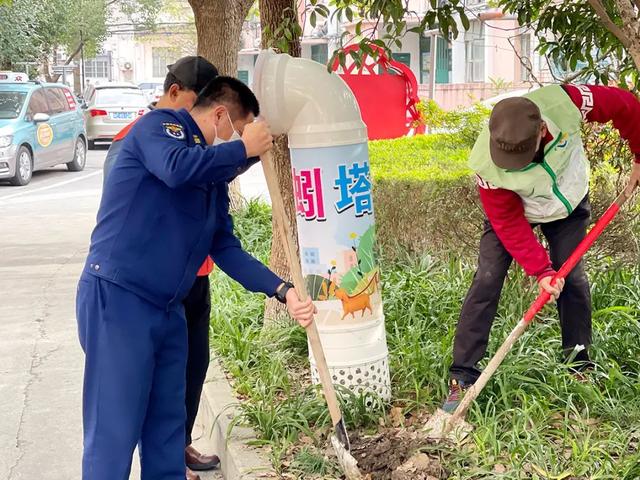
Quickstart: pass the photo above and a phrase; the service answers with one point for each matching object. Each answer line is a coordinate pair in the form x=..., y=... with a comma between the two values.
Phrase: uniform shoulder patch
x=174, y=130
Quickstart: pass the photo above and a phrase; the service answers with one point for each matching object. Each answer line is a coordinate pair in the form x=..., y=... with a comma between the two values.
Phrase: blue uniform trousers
x=134, y=383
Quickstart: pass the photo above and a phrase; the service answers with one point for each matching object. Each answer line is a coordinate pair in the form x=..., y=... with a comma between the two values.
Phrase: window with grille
x=474, y=47
x=320, y=53
x=161, y=57
x=96, y=68
x=525, y=56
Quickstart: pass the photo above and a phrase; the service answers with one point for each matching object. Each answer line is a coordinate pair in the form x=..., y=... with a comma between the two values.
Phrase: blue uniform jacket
x=165, y=206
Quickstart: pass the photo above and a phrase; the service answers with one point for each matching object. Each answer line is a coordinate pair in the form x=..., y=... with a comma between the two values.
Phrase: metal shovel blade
x=443, y=426
x=348, y=464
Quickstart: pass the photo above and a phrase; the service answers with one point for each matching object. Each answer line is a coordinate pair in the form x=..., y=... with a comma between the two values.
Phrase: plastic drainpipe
x=335, y=214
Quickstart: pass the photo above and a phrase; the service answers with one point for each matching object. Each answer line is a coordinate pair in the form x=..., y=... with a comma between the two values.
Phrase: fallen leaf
x=499, y=468
x=397, y=416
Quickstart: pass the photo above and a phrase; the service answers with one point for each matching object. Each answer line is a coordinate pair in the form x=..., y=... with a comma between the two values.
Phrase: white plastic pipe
x=335, y=214
x=301, y=98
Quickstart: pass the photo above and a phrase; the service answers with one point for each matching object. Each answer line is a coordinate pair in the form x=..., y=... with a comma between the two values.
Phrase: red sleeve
x=604, y=104
x=125, y=131
x=505, y=212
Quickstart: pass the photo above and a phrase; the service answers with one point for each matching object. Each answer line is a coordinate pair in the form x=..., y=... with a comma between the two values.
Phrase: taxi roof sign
x=13, y=77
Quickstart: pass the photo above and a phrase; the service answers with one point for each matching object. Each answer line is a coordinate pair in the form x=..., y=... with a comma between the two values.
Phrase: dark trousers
x=481, y=303
x=134, y=383
x=197, y=308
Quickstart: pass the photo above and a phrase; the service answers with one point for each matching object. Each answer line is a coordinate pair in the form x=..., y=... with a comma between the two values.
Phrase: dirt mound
x=393, y=455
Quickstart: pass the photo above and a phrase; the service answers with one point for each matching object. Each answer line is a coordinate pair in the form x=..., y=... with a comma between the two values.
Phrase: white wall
x=245, y=62
x=411, y=45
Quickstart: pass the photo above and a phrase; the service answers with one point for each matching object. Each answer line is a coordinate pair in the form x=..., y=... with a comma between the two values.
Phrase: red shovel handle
x=577, y=255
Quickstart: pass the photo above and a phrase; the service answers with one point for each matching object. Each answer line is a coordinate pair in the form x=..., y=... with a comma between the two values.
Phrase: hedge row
x=426, y=199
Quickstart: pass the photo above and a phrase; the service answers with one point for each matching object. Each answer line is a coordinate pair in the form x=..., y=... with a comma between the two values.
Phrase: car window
x=11, y=104
x=69, y=98
x=56, y=100
x=148, y=86
x=120, y=97
x=37, y=103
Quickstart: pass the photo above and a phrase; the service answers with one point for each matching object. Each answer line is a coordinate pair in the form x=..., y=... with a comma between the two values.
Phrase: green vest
x=550, y=190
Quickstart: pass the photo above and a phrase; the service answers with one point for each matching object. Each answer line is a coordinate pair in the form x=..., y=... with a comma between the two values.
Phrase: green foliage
x=421, y=158
x=391, y=16
x=571, y=33
x=534, y=420
x=33, y=29
x=426, y=199
x=424, y=195
x=465, y=123
x=282, y=37
x=17, y=18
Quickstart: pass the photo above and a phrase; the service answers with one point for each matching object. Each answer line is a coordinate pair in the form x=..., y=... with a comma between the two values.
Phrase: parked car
x=41, y=125
x=157, y=93
x=109, y=108
x=150, y=90
x=490, y=102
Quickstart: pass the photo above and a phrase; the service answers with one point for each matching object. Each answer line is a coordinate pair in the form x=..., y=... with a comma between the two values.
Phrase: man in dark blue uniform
x=165, y=206
x=185, y=78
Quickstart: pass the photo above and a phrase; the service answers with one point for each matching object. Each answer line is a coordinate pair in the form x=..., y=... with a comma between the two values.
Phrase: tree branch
x=609, y=24
x=74, y=54
x=528, y=64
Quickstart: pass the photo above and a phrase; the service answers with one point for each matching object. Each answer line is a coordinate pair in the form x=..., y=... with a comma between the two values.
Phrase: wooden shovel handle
x=279, y=213
x=472, y=393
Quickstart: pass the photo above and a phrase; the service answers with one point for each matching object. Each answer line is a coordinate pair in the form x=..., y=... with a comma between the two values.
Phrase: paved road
x=44, y=234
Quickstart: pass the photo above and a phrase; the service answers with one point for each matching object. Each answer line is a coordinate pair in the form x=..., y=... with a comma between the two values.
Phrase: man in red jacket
x=185, y=79
x=532, y=171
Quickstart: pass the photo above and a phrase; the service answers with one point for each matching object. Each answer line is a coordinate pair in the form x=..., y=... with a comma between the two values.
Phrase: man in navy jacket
x=185, y=78
x=165, y=206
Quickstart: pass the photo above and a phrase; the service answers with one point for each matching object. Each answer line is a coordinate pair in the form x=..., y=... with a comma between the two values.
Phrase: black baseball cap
x=514, y=126
x=194, y=72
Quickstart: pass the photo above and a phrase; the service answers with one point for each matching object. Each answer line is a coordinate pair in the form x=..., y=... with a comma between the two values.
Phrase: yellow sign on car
x=44, y=134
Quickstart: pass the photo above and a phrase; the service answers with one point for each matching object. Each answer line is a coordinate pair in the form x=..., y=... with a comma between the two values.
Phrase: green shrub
x=427, y=202
x=465, y=123
x=533, y=413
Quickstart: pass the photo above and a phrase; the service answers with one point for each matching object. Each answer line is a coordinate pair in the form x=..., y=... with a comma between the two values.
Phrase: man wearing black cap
x=185, y=79
x=531, y=171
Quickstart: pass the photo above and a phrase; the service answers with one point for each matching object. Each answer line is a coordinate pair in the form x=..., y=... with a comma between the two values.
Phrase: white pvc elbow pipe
x=312, y=106
x=335, y=215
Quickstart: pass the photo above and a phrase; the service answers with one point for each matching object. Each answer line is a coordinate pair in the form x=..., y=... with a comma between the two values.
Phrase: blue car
x=41, y=125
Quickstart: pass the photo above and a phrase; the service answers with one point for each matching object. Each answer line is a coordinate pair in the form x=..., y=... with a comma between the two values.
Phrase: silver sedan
x=110, y=108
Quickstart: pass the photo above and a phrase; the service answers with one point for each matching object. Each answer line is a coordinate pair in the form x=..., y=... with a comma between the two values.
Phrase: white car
x=490, y=102
x=109, y=108
x=150, y=90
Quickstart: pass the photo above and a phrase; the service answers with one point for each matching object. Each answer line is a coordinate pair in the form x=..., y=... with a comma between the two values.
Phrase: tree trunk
x=218, y=28
x=77, y=81
x=272, y=14
x=627, y=33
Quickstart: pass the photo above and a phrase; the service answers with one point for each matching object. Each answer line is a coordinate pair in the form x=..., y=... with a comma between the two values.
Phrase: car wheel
x=92, y=145
x=24, y=167
x=79, y=156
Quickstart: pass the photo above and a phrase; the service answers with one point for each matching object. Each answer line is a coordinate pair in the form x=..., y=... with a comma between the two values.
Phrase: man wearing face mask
x=185, y=78
x=165, y=206
x=532, y=171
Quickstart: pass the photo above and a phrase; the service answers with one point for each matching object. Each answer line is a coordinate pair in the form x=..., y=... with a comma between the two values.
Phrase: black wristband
x=281, y=293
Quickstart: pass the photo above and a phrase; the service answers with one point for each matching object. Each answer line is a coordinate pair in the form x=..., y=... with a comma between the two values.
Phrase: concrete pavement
x=44, y=236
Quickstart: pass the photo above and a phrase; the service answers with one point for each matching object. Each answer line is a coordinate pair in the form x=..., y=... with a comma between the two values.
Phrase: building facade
x=494, y=56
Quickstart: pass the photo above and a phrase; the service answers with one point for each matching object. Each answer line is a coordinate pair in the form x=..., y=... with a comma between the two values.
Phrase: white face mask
x=234, y=136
